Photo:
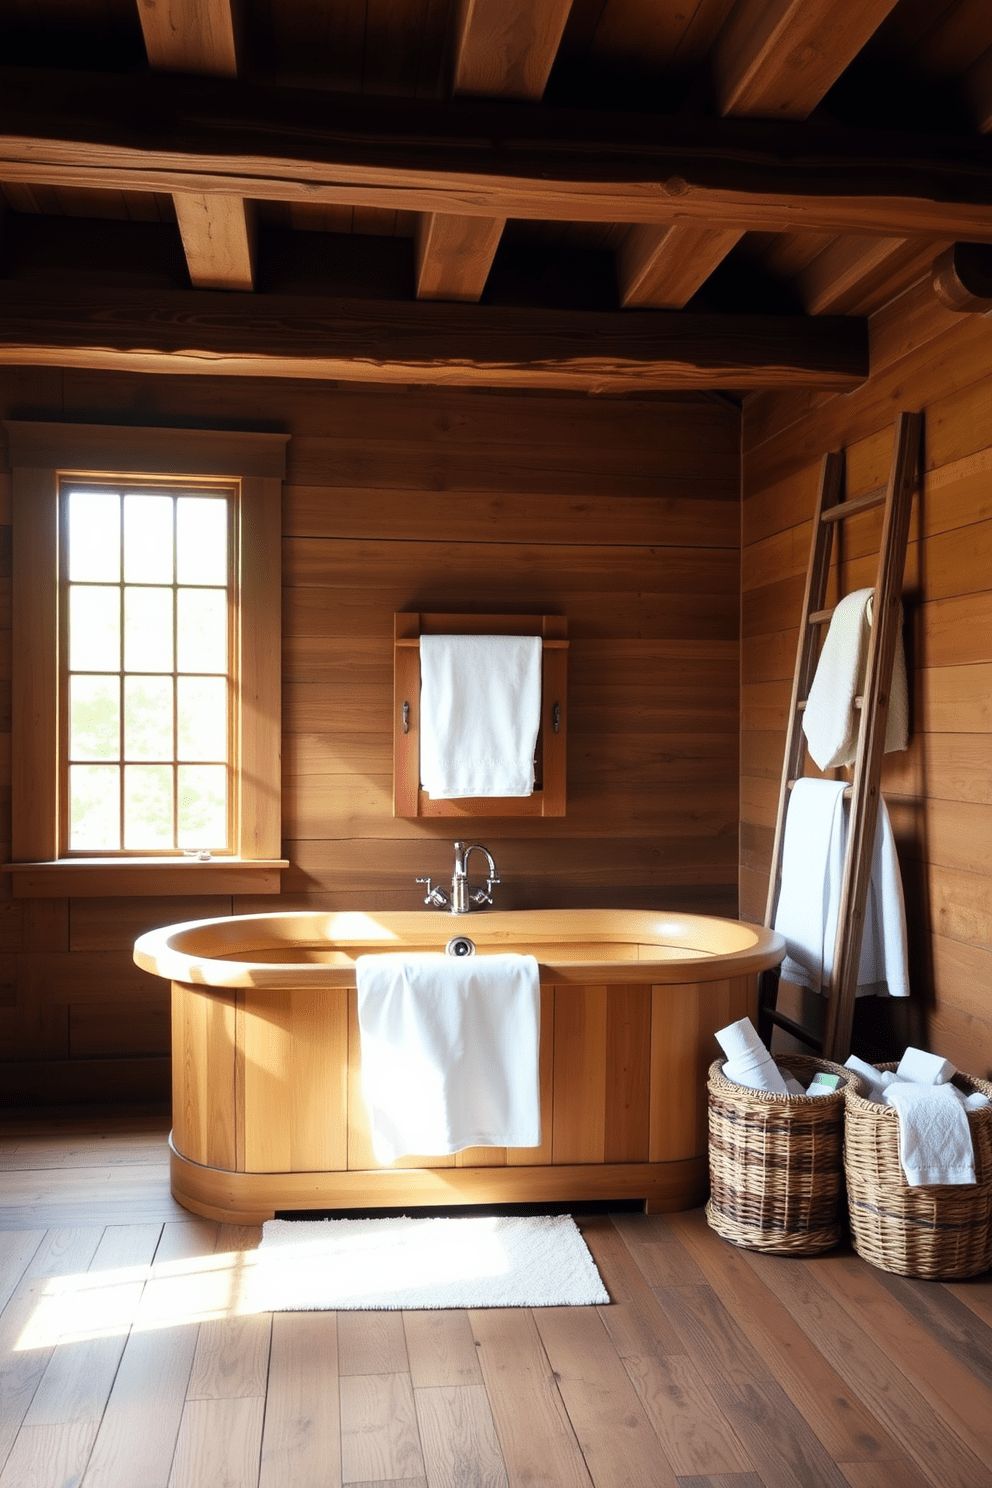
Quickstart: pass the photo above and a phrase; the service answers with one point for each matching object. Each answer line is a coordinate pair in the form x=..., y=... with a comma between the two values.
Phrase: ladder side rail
x=866, y=787
x=817, y=574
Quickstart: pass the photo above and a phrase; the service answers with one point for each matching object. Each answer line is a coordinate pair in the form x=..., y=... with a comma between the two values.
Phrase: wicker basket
x=776, y=1168
x=937, y=1232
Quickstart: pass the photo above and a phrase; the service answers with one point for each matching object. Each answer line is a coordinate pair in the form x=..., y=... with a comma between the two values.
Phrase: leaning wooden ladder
x=841, y=986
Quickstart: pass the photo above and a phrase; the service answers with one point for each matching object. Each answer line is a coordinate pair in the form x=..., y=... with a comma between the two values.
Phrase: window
x=146, y=728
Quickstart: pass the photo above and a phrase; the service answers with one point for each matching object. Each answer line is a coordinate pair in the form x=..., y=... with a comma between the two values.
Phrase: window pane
x=148, y=630
x=94, y=718
x=94, y=536
x=148, y=718
x=147, y=806
x=94, y=629
x=147, y=539
x=202, y=718
x=94, y=808
x=203, y=806
x=201, y=630
x=201, y=540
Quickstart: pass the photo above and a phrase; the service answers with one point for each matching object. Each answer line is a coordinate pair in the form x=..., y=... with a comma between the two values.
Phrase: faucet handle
x=435, y=895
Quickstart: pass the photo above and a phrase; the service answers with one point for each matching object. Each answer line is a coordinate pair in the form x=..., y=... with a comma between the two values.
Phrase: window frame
x=42, y=456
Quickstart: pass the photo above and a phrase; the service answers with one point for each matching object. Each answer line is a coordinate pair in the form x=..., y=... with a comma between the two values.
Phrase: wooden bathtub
x=267, y=1107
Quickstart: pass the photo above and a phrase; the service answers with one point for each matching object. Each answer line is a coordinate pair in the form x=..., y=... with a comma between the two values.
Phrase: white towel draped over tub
x=830, y=719
x=809, y=899
x=480, y=710
x=449, y=1052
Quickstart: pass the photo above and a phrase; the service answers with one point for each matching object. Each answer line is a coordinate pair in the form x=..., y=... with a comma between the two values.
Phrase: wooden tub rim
x=637, y=945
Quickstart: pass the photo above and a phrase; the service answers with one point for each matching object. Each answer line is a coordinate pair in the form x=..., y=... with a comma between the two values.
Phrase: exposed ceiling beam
x=487, y=159
x=506, y=48
x=962, y=278
x=503, y=49
x=293, y=336
x=775, y=59
x=453, y=255
x=662, y=267
x=851, y=269
x=189, y=36
x=218, y=234
x=772, y=58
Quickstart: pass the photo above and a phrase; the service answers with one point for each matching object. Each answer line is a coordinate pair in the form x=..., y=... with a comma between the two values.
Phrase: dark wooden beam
x=489, y=159
x=292, y=336
x=962, y=278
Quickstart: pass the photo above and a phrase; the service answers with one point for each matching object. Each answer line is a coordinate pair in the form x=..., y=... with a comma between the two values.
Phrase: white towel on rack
x=449, y=1052
x=480, y=710
x=809, y=898
x=830, y=719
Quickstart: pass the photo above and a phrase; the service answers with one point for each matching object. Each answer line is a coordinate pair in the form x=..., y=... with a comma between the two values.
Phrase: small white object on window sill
x=201, y=854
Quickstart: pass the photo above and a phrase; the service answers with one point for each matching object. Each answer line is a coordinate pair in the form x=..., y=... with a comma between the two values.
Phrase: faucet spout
x=463, y=899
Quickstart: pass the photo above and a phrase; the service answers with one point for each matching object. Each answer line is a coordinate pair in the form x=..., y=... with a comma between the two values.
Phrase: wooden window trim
x=40, y=454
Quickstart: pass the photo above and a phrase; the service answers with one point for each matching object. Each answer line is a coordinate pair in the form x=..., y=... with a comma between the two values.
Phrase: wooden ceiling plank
x=218, y=232
x=190, y=36
x=777, y=58
x=218, y=240
x=662, y=267
x=774, y=58
x=487, y=160
x=471, y=345
x=825, y=284
x=454, y=255
x=978, y=91
x=506, y=48
x=503, y=49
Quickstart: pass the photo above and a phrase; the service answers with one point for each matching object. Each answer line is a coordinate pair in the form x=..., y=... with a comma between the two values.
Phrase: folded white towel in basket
x=830, y=719
x=935, y=1144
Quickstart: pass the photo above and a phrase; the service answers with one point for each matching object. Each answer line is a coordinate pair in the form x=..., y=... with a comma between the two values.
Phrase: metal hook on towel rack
x=406, y=718
x=555, y=717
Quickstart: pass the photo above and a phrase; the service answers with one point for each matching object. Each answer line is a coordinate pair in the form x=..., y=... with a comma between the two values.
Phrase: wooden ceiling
x=599, y=194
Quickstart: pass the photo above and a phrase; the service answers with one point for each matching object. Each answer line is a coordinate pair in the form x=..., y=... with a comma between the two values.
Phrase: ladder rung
x=820, y=617
x=801, y=706
x=848, y=793
x=789, y=1025
x=852, y=508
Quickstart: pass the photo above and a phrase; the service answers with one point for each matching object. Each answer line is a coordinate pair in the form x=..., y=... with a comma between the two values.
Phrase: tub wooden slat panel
x=674, y=1041
x=579, y=1098
x=529, y=1157
x=295, y=1080
x=203, y=1075
x=628, y=1074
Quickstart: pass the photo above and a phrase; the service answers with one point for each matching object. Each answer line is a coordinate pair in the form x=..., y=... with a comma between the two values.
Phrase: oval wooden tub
x=267, y=1107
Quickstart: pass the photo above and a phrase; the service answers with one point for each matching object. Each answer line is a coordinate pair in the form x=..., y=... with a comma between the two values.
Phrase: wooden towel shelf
x=548, y=798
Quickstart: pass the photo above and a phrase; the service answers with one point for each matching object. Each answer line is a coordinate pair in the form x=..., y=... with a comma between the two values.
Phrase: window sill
x=106, y=878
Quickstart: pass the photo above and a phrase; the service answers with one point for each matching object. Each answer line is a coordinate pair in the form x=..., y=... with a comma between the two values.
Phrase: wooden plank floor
x=125, y=1361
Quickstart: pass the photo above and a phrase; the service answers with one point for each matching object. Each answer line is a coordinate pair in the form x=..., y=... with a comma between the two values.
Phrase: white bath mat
x=353, y=1265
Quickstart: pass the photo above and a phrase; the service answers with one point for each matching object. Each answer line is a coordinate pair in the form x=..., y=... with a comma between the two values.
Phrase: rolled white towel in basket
x=748, y=1061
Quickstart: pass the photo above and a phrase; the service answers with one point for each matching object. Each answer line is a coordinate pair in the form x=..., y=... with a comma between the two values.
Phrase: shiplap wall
x=939, y=792
x=622, y=514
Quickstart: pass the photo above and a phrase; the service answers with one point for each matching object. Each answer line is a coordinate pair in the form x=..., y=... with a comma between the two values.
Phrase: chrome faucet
x=461, y=898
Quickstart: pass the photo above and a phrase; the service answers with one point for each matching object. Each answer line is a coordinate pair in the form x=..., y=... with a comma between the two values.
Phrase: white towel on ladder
x=809, y=898
x=830, y=719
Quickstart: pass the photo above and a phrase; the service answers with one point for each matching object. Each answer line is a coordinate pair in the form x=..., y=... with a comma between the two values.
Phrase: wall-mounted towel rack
x=831, y=509
x=548, y=798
